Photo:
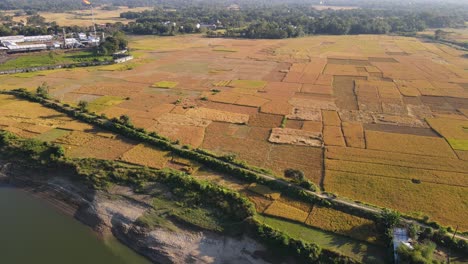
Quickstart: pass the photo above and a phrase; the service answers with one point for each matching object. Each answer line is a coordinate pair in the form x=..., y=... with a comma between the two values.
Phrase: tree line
x=287, y=21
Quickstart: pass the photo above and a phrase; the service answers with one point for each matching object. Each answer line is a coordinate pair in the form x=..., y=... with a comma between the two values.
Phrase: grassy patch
x=458, y=144
x=165, y=84
x=248, y=84
x=104, y=102
x=348, y=246
x=50, y=58
x=153, y=218
x=118, y=67
x=264, y=191
x=53, y=134
x=164, y=209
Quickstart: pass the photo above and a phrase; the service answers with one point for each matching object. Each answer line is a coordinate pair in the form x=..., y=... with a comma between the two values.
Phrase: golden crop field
x=283, y=210
x=339, y=222
x=394, y=104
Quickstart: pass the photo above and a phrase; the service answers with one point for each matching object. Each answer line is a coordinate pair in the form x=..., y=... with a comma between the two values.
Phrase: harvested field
x=253, y=151
x=261, y=203
x=341, y=223
x=294, y=124
x=317, y=89
x=20, y=132
x=307, y=159
x=353, y=134
x=378, y=90
x=187, y=134
x=182, y=120
x=265, y=120
x=276, y=108
x=306, y=114
x=312, y=126
x=295, y=137
x=343, y=89
x=333, y=136
x=331, y=118
x=217, y=115
x=102, y=148
x=421, y=145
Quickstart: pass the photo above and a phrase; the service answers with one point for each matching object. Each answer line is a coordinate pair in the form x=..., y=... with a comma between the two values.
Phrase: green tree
x=43, y=90
x=112, y=44
x=297, y=175
x=125, y=119
x=83, y=106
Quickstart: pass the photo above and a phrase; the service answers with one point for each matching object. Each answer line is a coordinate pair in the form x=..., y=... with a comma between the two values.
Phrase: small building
x=26, y=48
x=400, y=237
x=207, y=26
x=15, y=39
x=82, y=36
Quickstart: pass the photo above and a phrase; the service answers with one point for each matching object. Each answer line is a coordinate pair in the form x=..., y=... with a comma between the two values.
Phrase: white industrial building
x=25, y=48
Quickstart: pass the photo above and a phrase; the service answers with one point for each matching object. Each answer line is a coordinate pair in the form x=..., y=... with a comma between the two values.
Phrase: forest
x=289, y=21
x=255, y=19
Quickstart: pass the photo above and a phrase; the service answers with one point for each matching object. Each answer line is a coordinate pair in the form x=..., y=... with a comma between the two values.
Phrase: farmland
x=382, y=121
x=83, y=17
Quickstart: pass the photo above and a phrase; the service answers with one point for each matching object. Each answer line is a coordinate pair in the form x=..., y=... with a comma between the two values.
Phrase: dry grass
x=354, y=135
x=283, y=210
x=261, y=203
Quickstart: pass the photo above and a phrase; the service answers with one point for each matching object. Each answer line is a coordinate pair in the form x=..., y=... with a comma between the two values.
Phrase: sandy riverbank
x=116, y=211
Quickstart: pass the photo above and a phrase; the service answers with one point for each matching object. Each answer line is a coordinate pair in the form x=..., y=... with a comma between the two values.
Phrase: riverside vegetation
x=198, y=204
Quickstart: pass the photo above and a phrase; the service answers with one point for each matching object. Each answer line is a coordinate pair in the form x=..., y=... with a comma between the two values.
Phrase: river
x=33, y=231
